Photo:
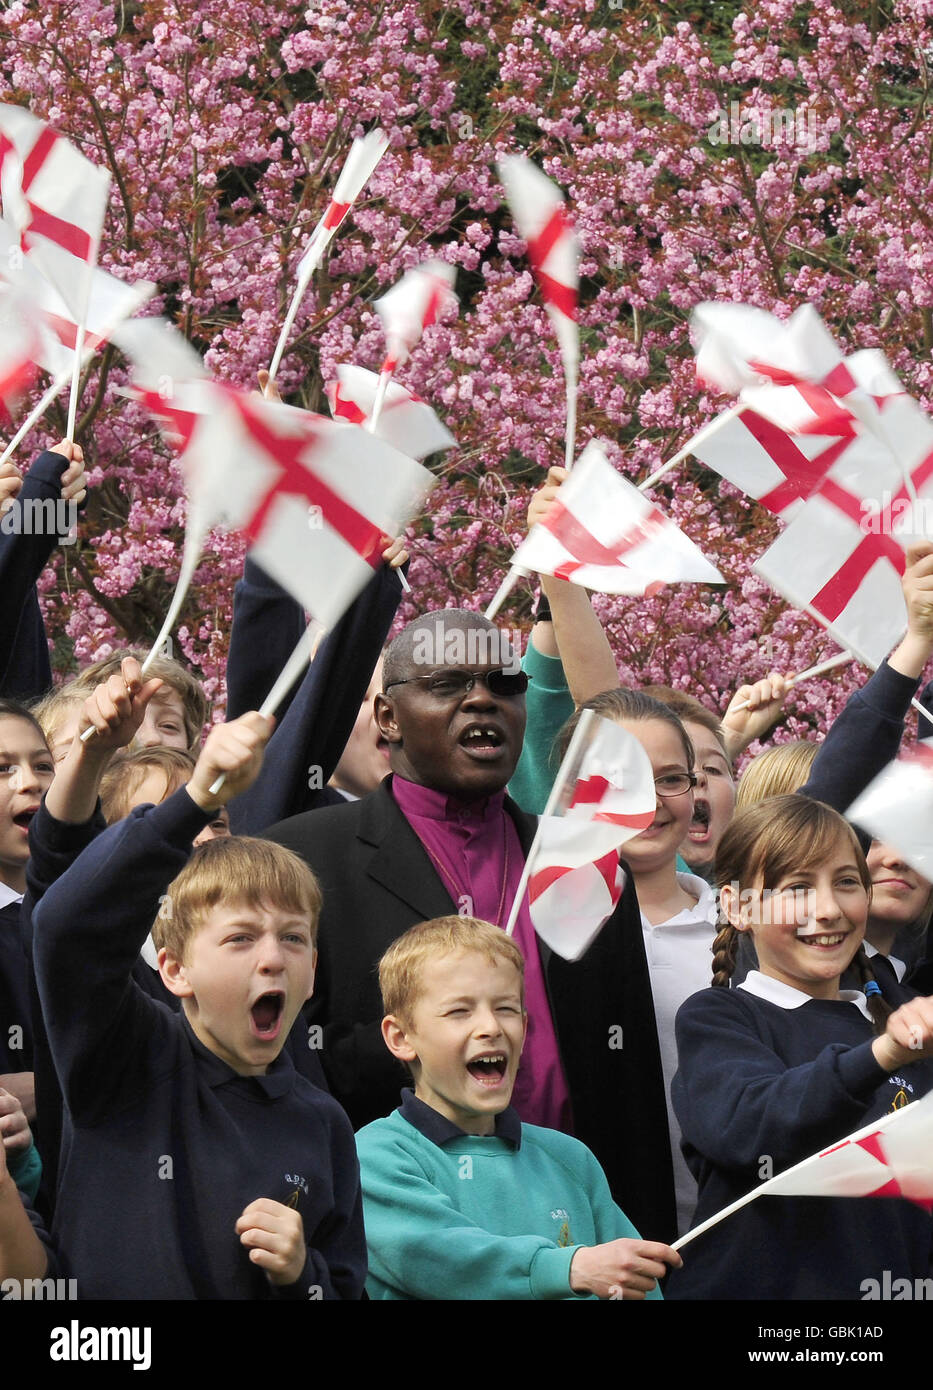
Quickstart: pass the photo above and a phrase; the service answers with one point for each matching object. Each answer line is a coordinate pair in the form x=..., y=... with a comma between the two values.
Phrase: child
x=788, y=1064
x=461, y=1199
x=26, y=771
x=196, y=1163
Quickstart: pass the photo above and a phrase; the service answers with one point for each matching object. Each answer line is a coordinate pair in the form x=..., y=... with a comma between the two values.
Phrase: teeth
x=826, y=939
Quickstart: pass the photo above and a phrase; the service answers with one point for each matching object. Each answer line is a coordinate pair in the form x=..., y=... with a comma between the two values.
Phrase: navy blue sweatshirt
x=760, y=1088
x=15, y=1014
x=318, y=719
x=165, y=1145
x=25, y=671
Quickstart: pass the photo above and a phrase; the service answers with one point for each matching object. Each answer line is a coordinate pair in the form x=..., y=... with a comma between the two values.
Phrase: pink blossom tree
x=224, y=124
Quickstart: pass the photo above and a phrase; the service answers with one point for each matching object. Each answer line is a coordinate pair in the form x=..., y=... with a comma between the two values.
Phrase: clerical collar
x=416, y=800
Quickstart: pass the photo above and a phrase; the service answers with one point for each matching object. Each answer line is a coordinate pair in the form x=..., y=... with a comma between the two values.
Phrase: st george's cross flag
x=313, y=497
x=405, y=421
x=56, y=201
x=603, y=533
x=897, y=807
x=890, y=1157
x=422, y=296
x=19, y=345
x=603, y=796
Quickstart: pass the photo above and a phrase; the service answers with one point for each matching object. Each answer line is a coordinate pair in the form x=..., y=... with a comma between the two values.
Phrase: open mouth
x=24, y=818
x=821, y=939
x=699, y=825
x=266, y=1014
x=481, y=740
x=488, y=1071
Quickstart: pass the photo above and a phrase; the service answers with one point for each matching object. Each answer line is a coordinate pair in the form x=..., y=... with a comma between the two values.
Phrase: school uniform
x=15, y=1014
x=165, y=1145
x=768, y=1077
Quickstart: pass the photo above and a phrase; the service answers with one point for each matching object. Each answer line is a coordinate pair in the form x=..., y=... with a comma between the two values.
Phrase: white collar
x=704, y=910
x=898, y=966
x=7, y=895
x=786, y=997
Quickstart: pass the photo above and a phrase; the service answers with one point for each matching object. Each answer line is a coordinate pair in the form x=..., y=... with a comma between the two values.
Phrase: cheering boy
x=196, y=1163
x=461, y=1199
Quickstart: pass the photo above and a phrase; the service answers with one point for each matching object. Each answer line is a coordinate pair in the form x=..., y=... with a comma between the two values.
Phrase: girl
x=788, y=1064
x=678, y=910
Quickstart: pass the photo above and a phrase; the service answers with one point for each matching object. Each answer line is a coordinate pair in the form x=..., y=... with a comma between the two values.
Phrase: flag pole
x=572, y=382
x=35, y=415
x=579, y=734
x=839, y=659
x=79, y=346
x=385, y=376
x=699, y=438
x=515, y=573
x=304, y=653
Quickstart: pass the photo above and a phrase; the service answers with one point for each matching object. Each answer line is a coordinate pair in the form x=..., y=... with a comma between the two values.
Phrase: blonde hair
x=52, y=711
x=126, y=773
x=195, y=704
x=401, y=969
x=236, y=870
x=776, y=772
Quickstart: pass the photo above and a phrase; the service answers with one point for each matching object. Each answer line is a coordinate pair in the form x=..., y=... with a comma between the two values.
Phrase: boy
x=195, y=1163
x=461, y=1199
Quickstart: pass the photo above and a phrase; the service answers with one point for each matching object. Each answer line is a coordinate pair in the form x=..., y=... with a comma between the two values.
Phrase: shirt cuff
x=547, y=672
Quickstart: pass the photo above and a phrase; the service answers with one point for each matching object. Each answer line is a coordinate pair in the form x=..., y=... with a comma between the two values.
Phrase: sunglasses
x=449, y=685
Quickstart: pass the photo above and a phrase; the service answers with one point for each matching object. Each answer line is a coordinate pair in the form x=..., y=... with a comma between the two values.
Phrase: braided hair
x=766, y=842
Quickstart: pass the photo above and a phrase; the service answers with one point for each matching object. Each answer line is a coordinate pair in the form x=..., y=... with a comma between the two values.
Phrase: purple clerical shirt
x=475, y=849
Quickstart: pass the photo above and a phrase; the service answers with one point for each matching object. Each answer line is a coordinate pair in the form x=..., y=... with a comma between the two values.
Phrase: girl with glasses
x=678, y=910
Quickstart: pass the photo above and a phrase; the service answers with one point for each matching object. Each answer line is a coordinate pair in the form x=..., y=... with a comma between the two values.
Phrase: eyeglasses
x=449, y=685
x=675, y=783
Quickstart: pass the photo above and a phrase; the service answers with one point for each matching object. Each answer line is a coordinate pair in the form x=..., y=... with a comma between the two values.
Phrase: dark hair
x=12, y=709
x=774, y=838
x=623, y=703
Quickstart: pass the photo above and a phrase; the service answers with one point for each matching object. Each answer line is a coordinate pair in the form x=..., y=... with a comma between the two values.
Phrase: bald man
x=439, y=835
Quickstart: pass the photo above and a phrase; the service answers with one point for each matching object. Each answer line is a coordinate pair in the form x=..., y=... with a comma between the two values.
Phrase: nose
x=479, y=695
x=271, y=954
x=486, y=1024
x=825, y=906
x=700, y=774
x=26, y=778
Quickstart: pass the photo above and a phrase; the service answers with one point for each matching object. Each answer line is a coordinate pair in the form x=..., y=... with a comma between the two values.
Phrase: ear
x=396, y=1040
x=174, y=975
x=313, y=972
x=386, y=721
x=735, y=906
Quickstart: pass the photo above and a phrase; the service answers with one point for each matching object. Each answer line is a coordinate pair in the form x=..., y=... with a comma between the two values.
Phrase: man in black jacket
x=440, y=835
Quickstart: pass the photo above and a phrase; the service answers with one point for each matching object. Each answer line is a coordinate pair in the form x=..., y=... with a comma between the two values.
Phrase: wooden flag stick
x=699, y=438
x=385, y=376
x=839, y=659
x=35, y=415
x=515, y=573
x=303, y=654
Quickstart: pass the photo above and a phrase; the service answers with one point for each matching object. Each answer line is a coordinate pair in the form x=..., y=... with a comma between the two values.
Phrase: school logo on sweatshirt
x=904, y=1093
x=563, y=1231
x=298, y=1184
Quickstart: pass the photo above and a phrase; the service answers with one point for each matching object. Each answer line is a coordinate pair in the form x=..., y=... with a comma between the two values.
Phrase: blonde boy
x=196, y=1162
x=462, y=1200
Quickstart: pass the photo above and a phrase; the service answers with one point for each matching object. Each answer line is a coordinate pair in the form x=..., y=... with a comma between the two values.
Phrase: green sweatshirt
x=548, y=706
x=476, y=1217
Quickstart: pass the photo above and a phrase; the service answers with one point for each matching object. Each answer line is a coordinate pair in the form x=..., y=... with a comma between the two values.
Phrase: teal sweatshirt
x=548, y=706
x=479, y=1217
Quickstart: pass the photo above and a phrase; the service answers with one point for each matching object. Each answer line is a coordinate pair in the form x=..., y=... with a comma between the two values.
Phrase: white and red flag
x=421, y=298
x=313, y=497
x=543, y=222
x=405, y=421
x=897, y=807
x=603, y=796
x=55, y=198
x=601, y=532
x=365, y=153
x=890, y=1157
x=19, y=346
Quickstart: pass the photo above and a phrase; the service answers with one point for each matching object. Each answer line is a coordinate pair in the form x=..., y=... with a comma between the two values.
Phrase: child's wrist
x=888, y=1054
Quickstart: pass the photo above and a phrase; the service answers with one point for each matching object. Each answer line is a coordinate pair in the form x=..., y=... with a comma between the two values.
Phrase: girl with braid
x=789, y=1063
